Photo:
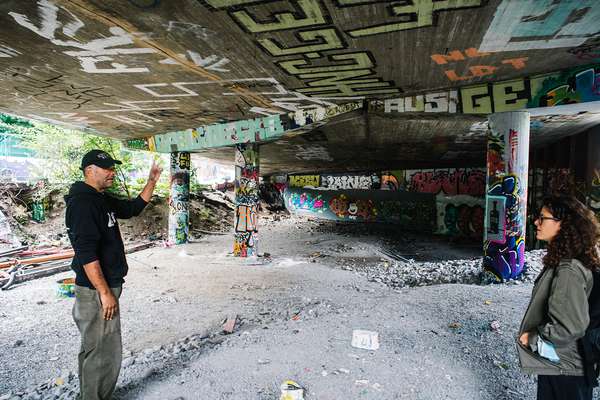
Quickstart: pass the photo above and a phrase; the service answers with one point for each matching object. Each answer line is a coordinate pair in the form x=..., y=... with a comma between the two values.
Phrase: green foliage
x=61, y=150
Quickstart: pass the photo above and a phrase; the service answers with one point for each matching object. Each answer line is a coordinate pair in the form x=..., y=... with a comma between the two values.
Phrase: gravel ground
x=296, y=315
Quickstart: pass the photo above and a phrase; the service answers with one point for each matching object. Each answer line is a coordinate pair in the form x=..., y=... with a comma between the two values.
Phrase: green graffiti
x=329, y=40
x=219, y=135
x=137, y=144
x=419, y=14
x=310, y=8
x=360, y=61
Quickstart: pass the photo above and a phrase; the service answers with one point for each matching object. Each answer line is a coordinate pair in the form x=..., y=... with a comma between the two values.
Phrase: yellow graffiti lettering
x=360, y=61
x=305, y=180
x=506, y=95
x=310, y=8
x=328, y=37
x=419, y=13
x=476, y=100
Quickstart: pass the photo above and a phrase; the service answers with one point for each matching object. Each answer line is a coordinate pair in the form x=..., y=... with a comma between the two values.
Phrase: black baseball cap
x=99, y=158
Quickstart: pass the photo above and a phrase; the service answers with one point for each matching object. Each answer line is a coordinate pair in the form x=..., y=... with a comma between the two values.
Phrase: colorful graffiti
x=411, y=211
x=541, y=24
x=246, y=200
x=306, y=201
x=505, y=218
x=578, y=85
x=392, y=180
x=345, y=207
x=461, y=216
x=448, y=181
x=179, y=197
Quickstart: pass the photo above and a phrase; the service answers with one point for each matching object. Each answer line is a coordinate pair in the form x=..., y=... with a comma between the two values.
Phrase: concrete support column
x=506, y=194
x=246, y=200
x=179, y=198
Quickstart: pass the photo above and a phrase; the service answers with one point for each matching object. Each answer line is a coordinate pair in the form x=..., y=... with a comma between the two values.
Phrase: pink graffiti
x=459, y=181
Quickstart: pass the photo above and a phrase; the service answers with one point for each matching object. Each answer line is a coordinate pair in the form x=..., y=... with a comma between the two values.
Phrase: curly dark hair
x=579, y=233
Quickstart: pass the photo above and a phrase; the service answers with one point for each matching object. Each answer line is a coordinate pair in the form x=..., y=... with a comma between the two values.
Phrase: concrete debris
x=414, y=273
x=367, y=340
x=495, y=326
x=229, y=325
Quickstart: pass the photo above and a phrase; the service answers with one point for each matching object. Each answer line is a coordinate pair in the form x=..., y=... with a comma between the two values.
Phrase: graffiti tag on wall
x=572, y=86
x=347, y=73
x=337, y=182
x=541, y=24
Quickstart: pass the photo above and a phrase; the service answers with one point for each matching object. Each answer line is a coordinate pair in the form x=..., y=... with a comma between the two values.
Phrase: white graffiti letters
x=91, y=53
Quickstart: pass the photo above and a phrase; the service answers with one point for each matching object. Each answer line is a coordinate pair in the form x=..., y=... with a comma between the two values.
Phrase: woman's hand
x=524, y=339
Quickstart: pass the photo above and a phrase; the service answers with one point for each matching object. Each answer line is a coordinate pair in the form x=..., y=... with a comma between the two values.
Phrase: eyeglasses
x=541, y=218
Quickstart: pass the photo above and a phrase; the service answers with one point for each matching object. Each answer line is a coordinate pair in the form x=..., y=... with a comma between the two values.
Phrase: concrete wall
x=445, y=201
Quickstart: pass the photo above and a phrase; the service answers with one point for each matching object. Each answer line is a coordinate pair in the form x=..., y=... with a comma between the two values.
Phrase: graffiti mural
x=246, y=200
x=408, y=210
x=475, y=71
x=393, y=180
x=448, y=181
x=179, y=197
x=417, y=215
x=338, y=182
x=578, y=85
x=506, y=205
x=345, y=74
x=541, y=24
x=461, y=216
x=306, y=201
x=408, y=15
x=304, y=180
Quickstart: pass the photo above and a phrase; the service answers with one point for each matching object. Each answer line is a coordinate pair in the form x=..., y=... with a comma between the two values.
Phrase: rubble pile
x=399, y=274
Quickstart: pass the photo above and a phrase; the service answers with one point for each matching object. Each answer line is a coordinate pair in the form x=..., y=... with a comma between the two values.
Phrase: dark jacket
x=558, y=311
x=91, y=221
x=590, y=344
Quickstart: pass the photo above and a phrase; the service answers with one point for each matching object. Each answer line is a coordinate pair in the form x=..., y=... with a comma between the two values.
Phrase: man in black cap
x=100, y=265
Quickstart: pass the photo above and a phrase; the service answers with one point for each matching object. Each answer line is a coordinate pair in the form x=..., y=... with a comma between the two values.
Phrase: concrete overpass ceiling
x=428, y=71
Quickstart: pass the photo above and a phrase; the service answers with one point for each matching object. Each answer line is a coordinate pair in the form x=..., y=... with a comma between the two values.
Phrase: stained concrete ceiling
x=136, y=68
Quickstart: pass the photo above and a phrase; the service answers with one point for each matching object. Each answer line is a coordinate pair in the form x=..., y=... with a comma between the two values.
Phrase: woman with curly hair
x=558, y=313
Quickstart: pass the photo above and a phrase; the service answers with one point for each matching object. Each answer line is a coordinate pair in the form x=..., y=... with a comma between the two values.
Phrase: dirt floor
x=296, y=315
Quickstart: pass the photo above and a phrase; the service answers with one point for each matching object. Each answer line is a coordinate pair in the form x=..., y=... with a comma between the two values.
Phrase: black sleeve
x=127, y=208
x=84, y=231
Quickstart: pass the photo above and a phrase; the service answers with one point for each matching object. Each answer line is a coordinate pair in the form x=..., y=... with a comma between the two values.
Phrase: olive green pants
x=101, y=348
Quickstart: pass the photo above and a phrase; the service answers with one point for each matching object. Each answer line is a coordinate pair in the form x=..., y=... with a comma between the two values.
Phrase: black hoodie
x=91, y=221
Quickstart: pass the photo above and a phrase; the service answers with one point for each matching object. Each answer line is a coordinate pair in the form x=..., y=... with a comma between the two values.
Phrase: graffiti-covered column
x=506, y=194
x=179, y=197
x=246, y=200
